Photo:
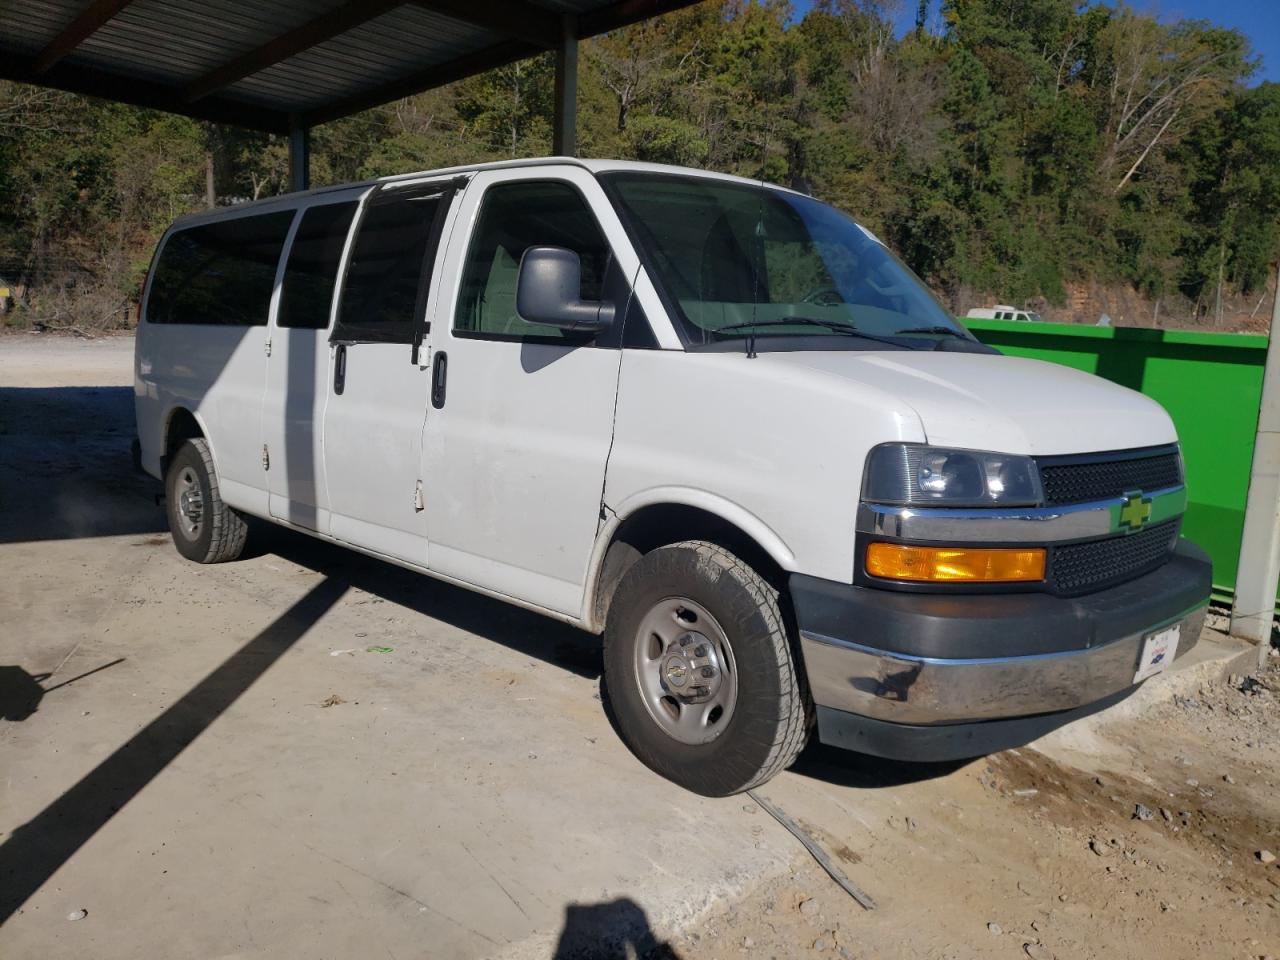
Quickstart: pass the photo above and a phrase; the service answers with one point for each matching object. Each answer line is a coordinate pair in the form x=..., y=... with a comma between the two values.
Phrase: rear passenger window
x=310, y=273
x=219, y=273
x=514, y=217
x=390, y=266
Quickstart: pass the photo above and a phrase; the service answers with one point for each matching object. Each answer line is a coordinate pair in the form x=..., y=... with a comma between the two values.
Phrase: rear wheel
x=700, y=670
x=204, y=528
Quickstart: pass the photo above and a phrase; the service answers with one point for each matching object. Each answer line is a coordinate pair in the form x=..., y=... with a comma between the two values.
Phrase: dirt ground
x=1024, y=855
x=309, y=753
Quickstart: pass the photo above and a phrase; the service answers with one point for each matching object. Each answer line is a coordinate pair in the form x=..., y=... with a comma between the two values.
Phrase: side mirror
x=549, y=291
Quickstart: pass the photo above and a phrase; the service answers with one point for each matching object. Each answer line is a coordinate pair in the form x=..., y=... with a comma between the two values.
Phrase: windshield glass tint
x=751, y=258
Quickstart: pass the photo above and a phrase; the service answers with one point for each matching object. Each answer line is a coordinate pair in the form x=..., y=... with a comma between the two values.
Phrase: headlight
x=910, y=474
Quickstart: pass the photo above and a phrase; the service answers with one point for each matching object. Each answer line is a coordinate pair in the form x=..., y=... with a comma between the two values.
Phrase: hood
x=1009, y=404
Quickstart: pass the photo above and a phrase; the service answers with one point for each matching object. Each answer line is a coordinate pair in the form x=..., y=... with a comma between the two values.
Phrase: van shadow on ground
x=531, y=634
x=534, y=635
x=65, y=467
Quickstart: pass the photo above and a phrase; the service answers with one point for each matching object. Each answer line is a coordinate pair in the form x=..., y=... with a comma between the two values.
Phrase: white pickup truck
x=717, y=421
x=1002, y=311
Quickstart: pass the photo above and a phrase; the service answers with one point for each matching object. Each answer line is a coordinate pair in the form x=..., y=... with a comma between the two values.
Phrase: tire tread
x=794, y=716
x=791, y=716
x=228, y=528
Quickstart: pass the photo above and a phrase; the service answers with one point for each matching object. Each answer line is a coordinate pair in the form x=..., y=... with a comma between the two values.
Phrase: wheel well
x=663, y=524
x=182, y=427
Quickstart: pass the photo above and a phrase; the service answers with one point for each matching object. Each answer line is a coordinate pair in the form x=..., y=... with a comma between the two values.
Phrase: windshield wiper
x=787, y=322
x=945, y=331
x=843, y=329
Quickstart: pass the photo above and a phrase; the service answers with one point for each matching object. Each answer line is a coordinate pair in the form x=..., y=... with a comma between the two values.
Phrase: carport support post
x=1259, y=569
x=299, y=156
x=564, y=137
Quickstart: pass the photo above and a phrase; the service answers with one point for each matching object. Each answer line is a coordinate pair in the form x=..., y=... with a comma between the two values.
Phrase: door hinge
x=268, y=347
x=266, y=458
x=419, y=504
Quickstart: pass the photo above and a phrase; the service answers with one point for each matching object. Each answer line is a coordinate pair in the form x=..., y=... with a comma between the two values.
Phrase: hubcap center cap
x=691, y=668
x=685, y=671
x=190, y=503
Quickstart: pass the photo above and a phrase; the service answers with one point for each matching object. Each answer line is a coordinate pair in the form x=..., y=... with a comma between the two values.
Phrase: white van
x=1002, y=311
x=716, y=421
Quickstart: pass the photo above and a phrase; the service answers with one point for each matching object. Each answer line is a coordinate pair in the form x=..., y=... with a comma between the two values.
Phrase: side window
x=219, y=273
x=514, y=217
x=310, y=272
x=390, y=265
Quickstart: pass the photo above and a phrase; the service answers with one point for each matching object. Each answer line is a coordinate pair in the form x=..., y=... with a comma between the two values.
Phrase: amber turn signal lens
x=897, y=561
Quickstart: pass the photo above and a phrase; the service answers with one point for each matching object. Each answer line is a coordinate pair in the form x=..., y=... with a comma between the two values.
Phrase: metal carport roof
x=287, y=64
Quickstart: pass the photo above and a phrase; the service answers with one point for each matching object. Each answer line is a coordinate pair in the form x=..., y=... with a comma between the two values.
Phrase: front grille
x=1078, y=567
x=1083, y=481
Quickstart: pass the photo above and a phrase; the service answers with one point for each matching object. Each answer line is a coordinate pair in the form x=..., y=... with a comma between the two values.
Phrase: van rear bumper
x=939, y=676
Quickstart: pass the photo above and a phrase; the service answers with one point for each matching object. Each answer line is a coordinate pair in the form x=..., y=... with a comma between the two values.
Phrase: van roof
x=595, y=166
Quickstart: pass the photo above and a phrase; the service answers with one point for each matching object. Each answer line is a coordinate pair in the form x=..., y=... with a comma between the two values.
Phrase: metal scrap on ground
x=824, y=860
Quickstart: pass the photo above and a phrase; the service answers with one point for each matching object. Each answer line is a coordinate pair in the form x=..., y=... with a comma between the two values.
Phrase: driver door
x=522, y=414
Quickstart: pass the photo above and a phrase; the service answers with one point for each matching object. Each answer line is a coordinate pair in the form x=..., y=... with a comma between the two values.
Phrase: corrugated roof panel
x=175, y=41
x=170, y=43
x=27, y=27
x=401, y=42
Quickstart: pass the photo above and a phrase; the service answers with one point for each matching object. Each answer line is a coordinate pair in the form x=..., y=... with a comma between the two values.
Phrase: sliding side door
x=377, y=387
x=298, y=366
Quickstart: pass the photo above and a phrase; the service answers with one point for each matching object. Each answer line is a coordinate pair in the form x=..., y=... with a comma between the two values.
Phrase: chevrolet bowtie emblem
x=1135, y=512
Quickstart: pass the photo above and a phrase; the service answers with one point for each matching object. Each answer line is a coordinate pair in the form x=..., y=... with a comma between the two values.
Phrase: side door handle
x=340, y=369
x=439, y=379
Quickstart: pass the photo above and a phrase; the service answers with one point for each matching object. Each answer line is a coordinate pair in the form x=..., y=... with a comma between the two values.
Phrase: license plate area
x=1158, y=650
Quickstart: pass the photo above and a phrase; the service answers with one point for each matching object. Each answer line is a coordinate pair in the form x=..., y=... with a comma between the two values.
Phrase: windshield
x=738, y=260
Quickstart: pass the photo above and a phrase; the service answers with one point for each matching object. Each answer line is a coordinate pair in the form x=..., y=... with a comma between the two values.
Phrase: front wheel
x=700, y=670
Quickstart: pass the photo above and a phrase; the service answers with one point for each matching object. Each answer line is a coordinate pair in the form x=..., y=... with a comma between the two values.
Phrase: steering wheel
x=891, y=289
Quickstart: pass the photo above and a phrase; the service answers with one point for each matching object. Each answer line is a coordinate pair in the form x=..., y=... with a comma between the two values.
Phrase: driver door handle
x=340, y=369
x=439, y=379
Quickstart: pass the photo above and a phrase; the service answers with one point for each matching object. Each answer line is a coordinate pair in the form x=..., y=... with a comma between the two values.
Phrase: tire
x=679, y=611
x=204, y=528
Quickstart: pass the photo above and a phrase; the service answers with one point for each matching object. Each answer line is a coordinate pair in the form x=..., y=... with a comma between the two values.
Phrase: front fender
x=739, y=517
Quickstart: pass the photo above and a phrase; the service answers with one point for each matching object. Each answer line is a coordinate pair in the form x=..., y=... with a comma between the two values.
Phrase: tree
x=1030, y=147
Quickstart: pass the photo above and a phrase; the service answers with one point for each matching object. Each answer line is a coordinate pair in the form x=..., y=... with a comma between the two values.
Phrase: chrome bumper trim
x=927, y=690
x=1077, y=521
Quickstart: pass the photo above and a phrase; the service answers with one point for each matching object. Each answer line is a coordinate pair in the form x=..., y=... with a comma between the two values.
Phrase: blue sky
x=1259, y=20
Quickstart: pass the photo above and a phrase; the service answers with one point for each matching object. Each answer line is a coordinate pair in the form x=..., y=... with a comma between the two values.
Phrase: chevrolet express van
x=716, y=421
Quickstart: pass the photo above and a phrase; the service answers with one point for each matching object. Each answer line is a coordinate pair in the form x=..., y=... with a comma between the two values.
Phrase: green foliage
x=1031, y=147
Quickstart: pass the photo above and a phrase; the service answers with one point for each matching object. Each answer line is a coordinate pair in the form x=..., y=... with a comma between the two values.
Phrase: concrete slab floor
x=240, y=769
x=199, y=798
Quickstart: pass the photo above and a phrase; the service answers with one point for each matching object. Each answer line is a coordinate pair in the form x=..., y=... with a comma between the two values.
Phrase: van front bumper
x=932, y=676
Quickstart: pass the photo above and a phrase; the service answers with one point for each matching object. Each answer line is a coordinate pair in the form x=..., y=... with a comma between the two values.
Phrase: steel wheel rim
x=685, y=670
x=188, y=506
